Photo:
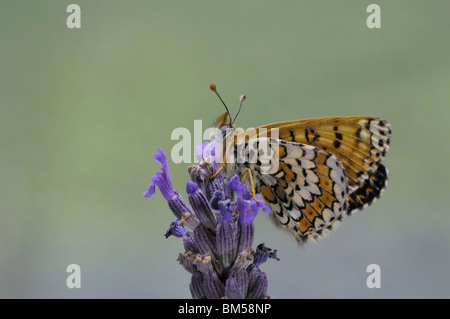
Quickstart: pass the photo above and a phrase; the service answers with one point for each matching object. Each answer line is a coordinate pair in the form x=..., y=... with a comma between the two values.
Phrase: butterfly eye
x=226, y=130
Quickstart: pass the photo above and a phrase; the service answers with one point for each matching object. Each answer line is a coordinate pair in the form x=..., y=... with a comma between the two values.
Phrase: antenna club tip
x=242, y=97
x=212, y=86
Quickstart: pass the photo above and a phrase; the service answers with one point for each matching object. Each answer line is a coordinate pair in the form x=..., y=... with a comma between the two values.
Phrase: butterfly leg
x=221, y=166
x=216, y=173
x=250, y=176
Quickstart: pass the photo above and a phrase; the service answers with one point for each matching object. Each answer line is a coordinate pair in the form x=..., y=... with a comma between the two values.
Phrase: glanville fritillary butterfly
x=326, y=168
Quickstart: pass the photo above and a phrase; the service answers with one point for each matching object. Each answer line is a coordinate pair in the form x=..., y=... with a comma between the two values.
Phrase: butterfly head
x=223, y=123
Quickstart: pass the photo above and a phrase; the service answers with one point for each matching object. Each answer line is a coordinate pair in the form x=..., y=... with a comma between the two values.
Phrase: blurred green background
x=83, y=111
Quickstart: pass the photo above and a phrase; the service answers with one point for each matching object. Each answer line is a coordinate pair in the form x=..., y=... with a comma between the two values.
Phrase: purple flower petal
x=246, y=214
x=199, y=151
x=161, y=178
x=175, y=229
x=239, y=188
x=205, y=150
x=262, y=205
x=191, y=187
x=262, y=254
x=216, y=200
x=210, y=149
x=151, y=189
x=226, y=211
x=246, y=205
x=242, y=191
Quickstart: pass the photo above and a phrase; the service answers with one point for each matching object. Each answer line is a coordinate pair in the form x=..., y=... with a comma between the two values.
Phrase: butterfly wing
x=305, y=187
x=369, y=191
x=359, y=142
x=323, y=169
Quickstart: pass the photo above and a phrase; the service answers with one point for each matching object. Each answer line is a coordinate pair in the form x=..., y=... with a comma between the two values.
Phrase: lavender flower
x=218, y=247
x=247, y=207
x=161, y=179
x=175, y=229
x=262, y=254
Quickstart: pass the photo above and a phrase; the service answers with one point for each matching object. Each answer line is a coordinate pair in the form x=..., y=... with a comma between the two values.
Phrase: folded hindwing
x=304, y=186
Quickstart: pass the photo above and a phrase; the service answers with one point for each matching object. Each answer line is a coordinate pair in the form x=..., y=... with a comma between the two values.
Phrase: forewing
x=359, y=142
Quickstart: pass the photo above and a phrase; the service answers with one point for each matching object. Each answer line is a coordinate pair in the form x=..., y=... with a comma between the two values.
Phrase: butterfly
x=321, y=169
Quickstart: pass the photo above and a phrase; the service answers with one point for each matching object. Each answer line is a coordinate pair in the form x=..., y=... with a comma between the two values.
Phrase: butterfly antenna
x=212, y=86
x=241, y=99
